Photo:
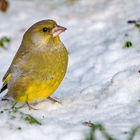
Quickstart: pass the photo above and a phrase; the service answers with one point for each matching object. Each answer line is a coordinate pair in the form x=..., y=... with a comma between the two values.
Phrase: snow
x=102, y=84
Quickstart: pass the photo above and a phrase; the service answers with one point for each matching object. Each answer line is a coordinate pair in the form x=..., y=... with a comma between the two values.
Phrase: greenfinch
x=39, y=65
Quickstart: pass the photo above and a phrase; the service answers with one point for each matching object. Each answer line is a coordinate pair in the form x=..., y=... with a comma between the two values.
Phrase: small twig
x=14, y=105
x=89, y=124
x=131, y=21
x=98, y=127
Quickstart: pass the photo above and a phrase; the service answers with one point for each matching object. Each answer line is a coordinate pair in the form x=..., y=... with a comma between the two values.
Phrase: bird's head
x=43, y=31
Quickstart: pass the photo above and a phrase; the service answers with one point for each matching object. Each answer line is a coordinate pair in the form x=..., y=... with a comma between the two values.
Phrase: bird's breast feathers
x=44, y=63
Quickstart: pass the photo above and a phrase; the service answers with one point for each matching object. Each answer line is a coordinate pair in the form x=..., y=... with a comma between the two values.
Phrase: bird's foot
x=54, y=100
x=30, y=107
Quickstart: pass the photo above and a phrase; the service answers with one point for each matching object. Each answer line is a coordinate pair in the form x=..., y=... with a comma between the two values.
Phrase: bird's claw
x=30, y=107
x=54, y=100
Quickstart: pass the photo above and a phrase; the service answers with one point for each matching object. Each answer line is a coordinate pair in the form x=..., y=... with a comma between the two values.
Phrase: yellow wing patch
x=5, y=82
x=6, y=79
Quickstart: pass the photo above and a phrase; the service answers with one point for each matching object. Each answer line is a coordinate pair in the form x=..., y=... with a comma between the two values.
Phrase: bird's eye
x=45, y=29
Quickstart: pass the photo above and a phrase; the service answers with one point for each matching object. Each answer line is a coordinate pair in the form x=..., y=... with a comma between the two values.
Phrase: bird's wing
x=20, y=53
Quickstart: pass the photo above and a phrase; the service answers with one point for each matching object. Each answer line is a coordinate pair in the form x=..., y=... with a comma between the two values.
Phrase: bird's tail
x=5, y=83
x=4, y=87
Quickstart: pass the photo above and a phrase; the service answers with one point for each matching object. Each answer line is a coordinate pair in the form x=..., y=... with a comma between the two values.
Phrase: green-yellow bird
x=39, y=65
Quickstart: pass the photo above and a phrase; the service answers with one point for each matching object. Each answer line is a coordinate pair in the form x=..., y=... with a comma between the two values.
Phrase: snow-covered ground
x=102, y=84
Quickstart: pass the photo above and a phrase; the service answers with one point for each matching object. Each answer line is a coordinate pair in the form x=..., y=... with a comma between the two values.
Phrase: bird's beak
x=58, y=30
